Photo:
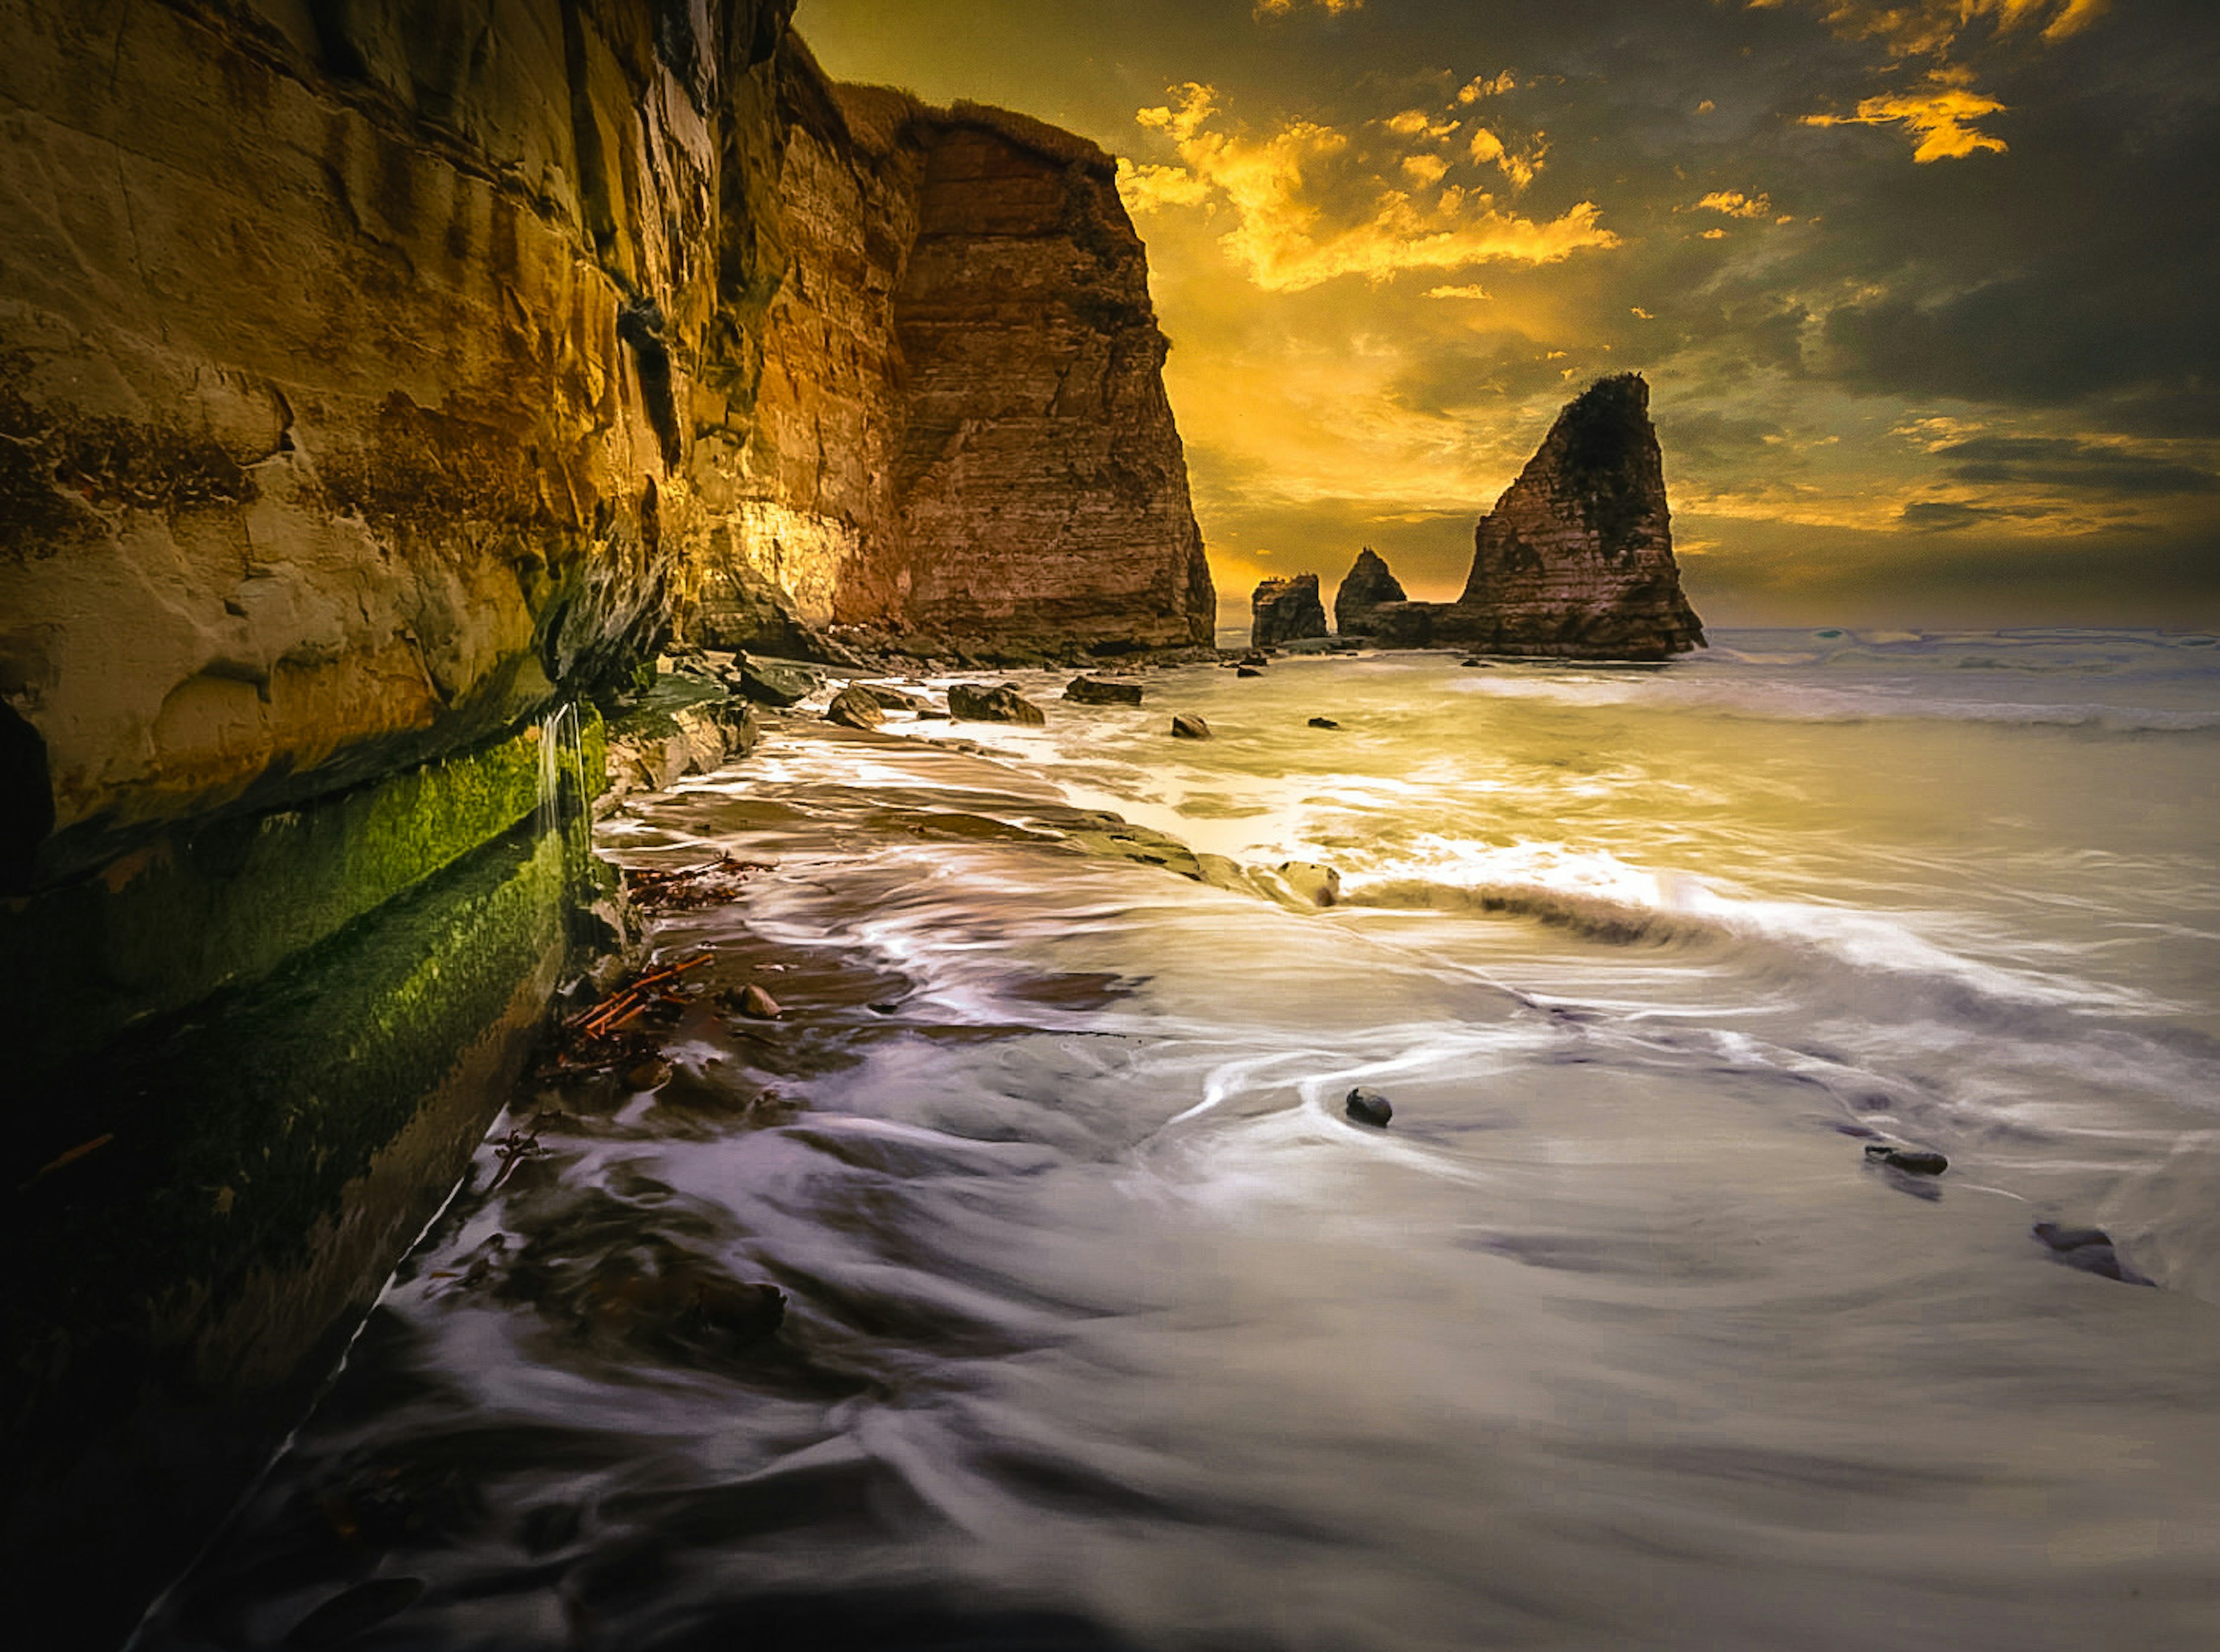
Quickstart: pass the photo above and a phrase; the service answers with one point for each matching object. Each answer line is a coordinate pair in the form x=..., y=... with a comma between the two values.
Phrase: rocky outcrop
x=1576, y=558
x=1574, y=562
x=1285, y=610
x=1365, y=588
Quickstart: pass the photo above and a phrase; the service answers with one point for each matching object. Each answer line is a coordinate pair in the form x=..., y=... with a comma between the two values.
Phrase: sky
x=1927, y=291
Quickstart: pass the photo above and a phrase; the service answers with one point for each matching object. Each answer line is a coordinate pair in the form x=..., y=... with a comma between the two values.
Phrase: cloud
x=1953, y=515
x=1310, y=203
x=1736, y=204
x=1520, y=169
x=2114, y=468
x=1908, y=28
x=1939, y=113
x=1457, y=292
x=1472, y=90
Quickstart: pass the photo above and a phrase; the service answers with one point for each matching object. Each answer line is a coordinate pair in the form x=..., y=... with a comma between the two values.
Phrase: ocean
x=1106, y=1326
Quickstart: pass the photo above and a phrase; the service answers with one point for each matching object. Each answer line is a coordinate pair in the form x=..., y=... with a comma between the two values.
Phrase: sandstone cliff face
x=1366, y=586
x=371, y=372
x=1574, y=562
x=1286, y=610
x=1576, y=558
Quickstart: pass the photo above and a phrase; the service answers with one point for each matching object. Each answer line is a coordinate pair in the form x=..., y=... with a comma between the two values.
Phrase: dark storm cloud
x=2062, y=462
x=1950, y=516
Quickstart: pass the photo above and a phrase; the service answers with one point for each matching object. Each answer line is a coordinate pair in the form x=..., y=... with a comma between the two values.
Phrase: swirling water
x=1105, y=1328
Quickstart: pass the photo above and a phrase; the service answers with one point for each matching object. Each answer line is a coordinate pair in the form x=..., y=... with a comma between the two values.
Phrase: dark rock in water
x=2089, y=1249
x=1283, y=610
x=1246, y=671
x=1095, y=691
x=1321, y=885
x=977, y=704
x=1189, y=728
x=1257, y=657
x=344, y=1617
x=1324, y=722
x=854, y=708
x=1369, y=1107
x=1919, y=1161
x=770, y=682
x=1366, y=586
x=2070, y=1239
x=647, y=1074
x=1481, y=664
x=755, y=1002
x=884, y=1007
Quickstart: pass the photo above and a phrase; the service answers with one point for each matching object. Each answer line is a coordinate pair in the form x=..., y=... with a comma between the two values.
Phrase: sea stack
x=1367, y=585
x=1286, y=610
x=1576, y=561
x=1576, y=558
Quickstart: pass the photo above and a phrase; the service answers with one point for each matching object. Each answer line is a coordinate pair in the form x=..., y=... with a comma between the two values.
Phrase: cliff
x=1576, y=561
x=379, y=381
x=374, y=372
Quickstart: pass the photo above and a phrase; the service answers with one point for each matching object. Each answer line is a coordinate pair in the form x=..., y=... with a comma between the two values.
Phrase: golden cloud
x=1309, y=203
x=1736, y=204
x=1939, y=112
x=1932, y=27
x=1458, y=292
x=1472, y=90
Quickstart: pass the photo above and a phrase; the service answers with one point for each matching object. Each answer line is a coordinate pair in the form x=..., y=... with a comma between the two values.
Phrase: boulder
x=759, y=1004
x=1246, y=671
x=1185, y=727
x=1368, y=1108
x=774, y=682
x=1366, y=586
x=1321, y=885
x=1098, y=691
x=855, y=707
x=893, y=699
x=1283, y=610
x=976, y=702
x=1324, y=722
x=1919, y=1161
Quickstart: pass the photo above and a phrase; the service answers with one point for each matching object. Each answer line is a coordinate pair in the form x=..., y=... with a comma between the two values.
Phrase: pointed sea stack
x=1367, y=585
x=1286, y=610
x=1576, y=558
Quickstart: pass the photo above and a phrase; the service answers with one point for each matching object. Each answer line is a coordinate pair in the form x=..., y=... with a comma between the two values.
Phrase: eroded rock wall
x=372, y=372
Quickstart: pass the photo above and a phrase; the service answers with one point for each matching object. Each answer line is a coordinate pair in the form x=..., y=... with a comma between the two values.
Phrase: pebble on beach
x=1369, y=1107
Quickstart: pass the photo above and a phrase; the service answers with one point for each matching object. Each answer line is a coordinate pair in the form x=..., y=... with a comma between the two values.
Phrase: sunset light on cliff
x=1386, y=238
